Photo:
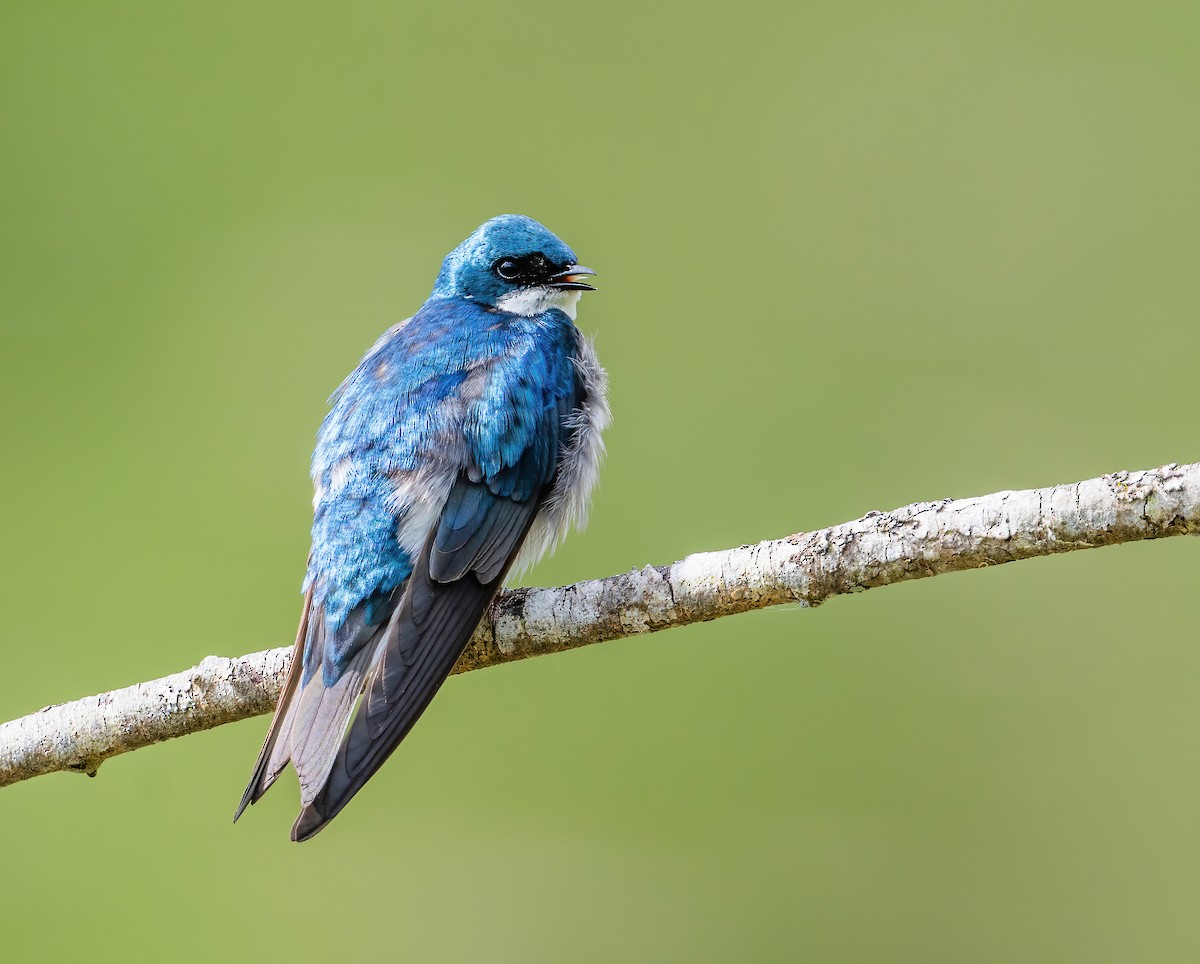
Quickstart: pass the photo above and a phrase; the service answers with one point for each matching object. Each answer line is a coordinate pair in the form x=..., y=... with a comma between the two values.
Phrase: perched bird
x=464, y=445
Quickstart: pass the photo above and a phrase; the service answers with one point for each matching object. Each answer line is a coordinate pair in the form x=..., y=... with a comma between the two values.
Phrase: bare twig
x=881, y=548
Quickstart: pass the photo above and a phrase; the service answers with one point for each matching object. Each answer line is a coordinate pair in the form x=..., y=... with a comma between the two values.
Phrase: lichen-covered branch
x=879, y=549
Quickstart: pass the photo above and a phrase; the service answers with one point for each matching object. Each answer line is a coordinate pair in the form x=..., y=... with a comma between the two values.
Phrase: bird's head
x=513, y=263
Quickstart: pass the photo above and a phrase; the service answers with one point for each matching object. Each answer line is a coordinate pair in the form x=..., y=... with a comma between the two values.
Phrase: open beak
x=570, y=278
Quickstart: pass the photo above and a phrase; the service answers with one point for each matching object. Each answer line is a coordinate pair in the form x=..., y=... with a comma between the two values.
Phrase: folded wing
x=454, y=578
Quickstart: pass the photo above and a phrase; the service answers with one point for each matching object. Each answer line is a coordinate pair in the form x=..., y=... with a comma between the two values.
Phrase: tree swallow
x=464, y=445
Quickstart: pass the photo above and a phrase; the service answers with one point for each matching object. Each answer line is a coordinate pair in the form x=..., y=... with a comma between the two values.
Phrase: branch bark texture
x=881, y=548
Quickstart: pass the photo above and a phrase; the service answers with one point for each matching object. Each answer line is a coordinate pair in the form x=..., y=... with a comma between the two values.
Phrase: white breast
x=578, y=464
x=535, y=300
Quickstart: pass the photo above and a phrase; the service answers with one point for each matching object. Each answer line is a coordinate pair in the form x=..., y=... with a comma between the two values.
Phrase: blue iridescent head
x=513, y=263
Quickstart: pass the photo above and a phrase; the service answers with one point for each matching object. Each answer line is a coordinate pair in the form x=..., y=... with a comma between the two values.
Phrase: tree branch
x=806, y=569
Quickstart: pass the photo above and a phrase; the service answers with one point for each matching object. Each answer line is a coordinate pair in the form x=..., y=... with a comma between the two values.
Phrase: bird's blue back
x=501, y=383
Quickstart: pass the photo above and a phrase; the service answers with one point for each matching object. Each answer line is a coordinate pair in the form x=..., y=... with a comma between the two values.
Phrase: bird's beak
x=569, y=278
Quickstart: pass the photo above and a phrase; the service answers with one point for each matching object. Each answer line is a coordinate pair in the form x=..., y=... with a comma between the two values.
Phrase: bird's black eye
x=507, y=269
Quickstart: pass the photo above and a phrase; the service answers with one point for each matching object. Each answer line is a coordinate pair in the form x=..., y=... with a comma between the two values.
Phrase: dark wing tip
x=310, y=822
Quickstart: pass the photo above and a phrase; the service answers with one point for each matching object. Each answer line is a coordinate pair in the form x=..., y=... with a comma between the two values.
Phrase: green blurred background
x=851, y=256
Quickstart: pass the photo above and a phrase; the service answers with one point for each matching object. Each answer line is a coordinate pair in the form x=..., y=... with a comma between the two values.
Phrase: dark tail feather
x=263, y=775
x=310, y=721
x=317, y=720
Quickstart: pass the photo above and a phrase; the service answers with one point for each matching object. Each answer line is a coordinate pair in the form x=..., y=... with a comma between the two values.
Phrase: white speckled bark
x=806, y=569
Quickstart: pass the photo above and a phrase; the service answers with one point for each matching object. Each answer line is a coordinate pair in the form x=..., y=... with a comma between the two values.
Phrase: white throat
x=539, y=298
